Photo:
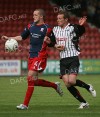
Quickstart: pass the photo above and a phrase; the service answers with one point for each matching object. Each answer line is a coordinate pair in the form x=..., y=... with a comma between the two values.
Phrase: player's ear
x=66, y=19
x=41, y=16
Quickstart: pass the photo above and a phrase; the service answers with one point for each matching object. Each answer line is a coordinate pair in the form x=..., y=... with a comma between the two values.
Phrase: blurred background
x=15, y=15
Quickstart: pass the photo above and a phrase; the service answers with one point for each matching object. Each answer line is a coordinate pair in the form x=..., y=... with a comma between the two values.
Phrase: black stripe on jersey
x=72, y=43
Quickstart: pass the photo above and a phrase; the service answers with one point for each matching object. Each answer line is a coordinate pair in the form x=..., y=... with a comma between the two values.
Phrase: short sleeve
x=25, y=33
x=80, y=30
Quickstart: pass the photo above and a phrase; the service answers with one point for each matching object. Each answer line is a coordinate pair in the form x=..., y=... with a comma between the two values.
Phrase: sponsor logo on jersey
x=42, y=29
x=34, y=35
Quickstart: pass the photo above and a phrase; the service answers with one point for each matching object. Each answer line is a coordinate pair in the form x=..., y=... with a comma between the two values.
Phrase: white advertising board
x=10, y=67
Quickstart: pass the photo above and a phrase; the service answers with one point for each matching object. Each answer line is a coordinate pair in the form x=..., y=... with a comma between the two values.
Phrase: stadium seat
x=89, y=44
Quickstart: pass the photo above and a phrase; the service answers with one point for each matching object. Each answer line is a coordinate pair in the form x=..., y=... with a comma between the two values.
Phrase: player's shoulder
x=72, y=26
x=47, y=25
x=31, y=24
x=77, y=25
x=56, y=27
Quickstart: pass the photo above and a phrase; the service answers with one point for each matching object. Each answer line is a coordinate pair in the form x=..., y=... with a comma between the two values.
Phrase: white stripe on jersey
x=64, y=37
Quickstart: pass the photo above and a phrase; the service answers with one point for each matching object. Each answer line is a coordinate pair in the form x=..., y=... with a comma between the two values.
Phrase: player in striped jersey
x=67, y=38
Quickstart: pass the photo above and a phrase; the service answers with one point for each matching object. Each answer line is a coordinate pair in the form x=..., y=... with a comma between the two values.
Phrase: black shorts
x=69, y=65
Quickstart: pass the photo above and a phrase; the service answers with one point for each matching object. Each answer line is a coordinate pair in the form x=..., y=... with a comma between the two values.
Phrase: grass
x=46, y=102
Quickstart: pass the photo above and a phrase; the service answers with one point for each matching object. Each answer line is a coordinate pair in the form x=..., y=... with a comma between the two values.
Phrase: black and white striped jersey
x=64, y=37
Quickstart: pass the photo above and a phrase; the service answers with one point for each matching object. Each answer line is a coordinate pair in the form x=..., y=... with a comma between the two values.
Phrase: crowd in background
x=90, y=8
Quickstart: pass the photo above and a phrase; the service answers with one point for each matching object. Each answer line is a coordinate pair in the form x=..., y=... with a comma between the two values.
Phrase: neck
x=64, y=25
x=40, y=23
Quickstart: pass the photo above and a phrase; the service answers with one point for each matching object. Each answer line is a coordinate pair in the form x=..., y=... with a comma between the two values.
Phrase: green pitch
x=45, y=101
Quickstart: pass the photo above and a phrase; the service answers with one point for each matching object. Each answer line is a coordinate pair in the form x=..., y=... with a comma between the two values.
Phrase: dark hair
x=42, y=12
x=65, y=13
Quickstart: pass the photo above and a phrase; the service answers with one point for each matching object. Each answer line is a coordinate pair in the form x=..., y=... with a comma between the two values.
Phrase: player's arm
x=59, y=47
x=50, y=38
x=21, y=37
x=50, y=44
x=17, y=38
x=81, y=28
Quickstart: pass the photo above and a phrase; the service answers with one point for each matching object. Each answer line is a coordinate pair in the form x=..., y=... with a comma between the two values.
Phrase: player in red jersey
x=38, y=32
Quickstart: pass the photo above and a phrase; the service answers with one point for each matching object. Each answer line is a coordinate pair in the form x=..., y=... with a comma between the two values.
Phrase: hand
x=82, y=20
x=59, y=47
x=47, y=40
x=4, y=37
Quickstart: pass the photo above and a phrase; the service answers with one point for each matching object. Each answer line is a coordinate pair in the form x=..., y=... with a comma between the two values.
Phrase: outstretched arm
x=79, y=28
x=21, y=37
x=17, y=38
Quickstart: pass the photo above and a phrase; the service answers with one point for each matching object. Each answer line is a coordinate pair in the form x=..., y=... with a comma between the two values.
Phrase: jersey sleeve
x=25, y=33
x=53, y=40
x=50, y=34
x=79, y=30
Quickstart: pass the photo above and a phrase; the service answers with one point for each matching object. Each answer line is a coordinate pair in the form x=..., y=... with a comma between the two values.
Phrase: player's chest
x=63, y=34
x=37, y=32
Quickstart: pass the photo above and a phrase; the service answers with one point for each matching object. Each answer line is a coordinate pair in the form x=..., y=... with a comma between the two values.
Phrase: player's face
x=36, y=16
x=61, y=21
